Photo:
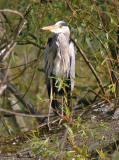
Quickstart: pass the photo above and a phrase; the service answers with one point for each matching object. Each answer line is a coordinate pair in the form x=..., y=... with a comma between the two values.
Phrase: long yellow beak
x=50, y=28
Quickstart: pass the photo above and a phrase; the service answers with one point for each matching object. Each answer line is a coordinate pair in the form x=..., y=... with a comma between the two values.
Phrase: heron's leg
x=67, y=97
x=69, y=100
x=62, y=105
x=51, y=98
x=68, y=89
x=62, y=110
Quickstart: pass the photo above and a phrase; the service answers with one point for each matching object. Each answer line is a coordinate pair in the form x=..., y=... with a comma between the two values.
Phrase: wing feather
x=50, y=53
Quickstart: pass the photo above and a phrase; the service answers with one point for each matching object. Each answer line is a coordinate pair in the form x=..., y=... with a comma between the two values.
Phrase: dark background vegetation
x=94, y=26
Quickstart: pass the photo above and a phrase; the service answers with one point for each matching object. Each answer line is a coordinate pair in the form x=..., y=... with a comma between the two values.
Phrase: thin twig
x=69, y=5
x=30, y=42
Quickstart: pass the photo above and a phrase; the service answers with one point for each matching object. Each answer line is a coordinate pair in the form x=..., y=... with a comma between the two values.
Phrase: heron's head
x=59, y=27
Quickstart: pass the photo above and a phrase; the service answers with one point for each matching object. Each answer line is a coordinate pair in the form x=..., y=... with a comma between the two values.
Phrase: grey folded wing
x=72, y=64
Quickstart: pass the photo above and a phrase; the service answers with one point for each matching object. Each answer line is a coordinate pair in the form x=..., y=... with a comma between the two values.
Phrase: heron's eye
x=60, y=26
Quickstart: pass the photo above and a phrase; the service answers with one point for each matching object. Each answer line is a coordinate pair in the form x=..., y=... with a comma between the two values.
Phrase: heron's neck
x=67, y=35
x=64, y=37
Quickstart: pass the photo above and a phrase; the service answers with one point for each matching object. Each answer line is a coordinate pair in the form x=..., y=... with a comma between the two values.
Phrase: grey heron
x=59, y=61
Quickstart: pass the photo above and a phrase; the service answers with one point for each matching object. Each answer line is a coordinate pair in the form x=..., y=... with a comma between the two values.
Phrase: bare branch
x=12, y=11
x=90, y=65
x=24, y=114
x=7, y=50
x=19, y=96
